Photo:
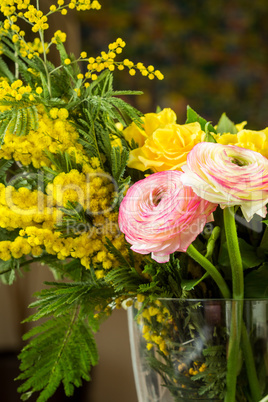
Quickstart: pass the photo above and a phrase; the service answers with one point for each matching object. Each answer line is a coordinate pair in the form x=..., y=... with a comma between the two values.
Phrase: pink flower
x=229, y=175
x=159, y=215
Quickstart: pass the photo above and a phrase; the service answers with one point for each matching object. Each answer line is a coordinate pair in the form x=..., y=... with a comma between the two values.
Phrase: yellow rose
x=150, y=122
x=167, y=147
x=249, y=139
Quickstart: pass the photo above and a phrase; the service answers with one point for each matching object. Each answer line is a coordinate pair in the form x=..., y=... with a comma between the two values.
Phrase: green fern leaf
x=9, y=270
x=62, y=51
x=16, y=122
x=5, y=72
x=46, y=90
x=32, y=118
x=19, y=120
x=3, y=128
x=60, y=350
x=86, y=127
x=62, y=161
x=118, y=160
x=61, y=298
x=113, y=250
x=4, y=167
x=125, y=110
x=125, y=280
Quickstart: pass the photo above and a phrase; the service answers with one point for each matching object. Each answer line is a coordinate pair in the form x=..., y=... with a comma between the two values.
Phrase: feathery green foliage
x=60, y=298
x=4, y=167
x=8, y=271
x=74, y=220
x=118, y=161
x=62, y=349
x=214, y=377
x=103, y=107
x=62, y=162
x=19, y=120
x=5, y=71
x=125, y=280
x=165, y=280
x=53, y=357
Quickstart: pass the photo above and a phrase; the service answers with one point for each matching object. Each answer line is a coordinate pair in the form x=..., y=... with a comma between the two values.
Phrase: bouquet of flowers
x=120, y=207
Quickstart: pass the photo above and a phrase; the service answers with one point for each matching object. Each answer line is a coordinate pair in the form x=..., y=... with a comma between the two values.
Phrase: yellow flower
x=249, y=139
x=241, y=125
x=63, y=114
x=53, y=113
x=150, y=122
x=163, y=144
x=58, y=37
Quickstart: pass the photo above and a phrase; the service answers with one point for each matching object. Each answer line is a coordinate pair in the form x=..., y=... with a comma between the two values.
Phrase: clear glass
x=179, y=349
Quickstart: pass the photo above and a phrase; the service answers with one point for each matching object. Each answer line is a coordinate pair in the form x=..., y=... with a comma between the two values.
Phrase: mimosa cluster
x=39, y=215
x=54, y=134
x=107, y=60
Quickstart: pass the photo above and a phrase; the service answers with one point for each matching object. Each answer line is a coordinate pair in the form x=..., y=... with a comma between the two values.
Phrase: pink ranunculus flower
x=229, y=175
x=160, y=215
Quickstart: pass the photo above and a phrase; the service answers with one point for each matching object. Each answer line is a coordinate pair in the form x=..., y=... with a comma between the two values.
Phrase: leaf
x=60, y=350
x=256, y=283
x=4, y=167
x=113, y=250
x=5, y=72
x=118, y=161
x=62, y=51
x=208, y=137
x=250, y=258
x=44, y=86
x=19, y=119
x=192, y=117
x=189, y=284
x=62, y=161
x=8, y=271
x=61, y=298
x=124, y=280
x=225, y=125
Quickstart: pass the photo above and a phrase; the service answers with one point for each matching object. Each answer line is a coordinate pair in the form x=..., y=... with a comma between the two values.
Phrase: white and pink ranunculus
x=160, y=215
x=229, y=175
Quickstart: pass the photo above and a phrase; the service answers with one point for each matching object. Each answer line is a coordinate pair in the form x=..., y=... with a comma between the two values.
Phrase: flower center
x=239, y=161
x=157, y=197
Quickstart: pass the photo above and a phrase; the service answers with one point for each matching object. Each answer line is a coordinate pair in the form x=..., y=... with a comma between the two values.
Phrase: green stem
x=237, y=307
x=234, y=253
x=42, y=38
x=17, y=72
x=212, y=242
x=22, y=264
x=211, y=269
x=237, y=324
x=265, y=399
x=250, y=365
x=233, y=350
x=27, y=262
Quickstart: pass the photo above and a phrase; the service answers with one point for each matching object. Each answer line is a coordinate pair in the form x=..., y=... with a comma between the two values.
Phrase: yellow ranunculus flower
x=163, y=144
x=249, y=139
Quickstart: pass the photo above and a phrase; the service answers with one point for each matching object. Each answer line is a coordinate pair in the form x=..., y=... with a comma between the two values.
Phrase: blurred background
x=214, y=56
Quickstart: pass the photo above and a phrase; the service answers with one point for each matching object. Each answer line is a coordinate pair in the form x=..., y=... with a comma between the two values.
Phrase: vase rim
x=217, y=299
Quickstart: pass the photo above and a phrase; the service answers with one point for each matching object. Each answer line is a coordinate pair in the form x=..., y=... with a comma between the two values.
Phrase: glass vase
x=181, y=350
